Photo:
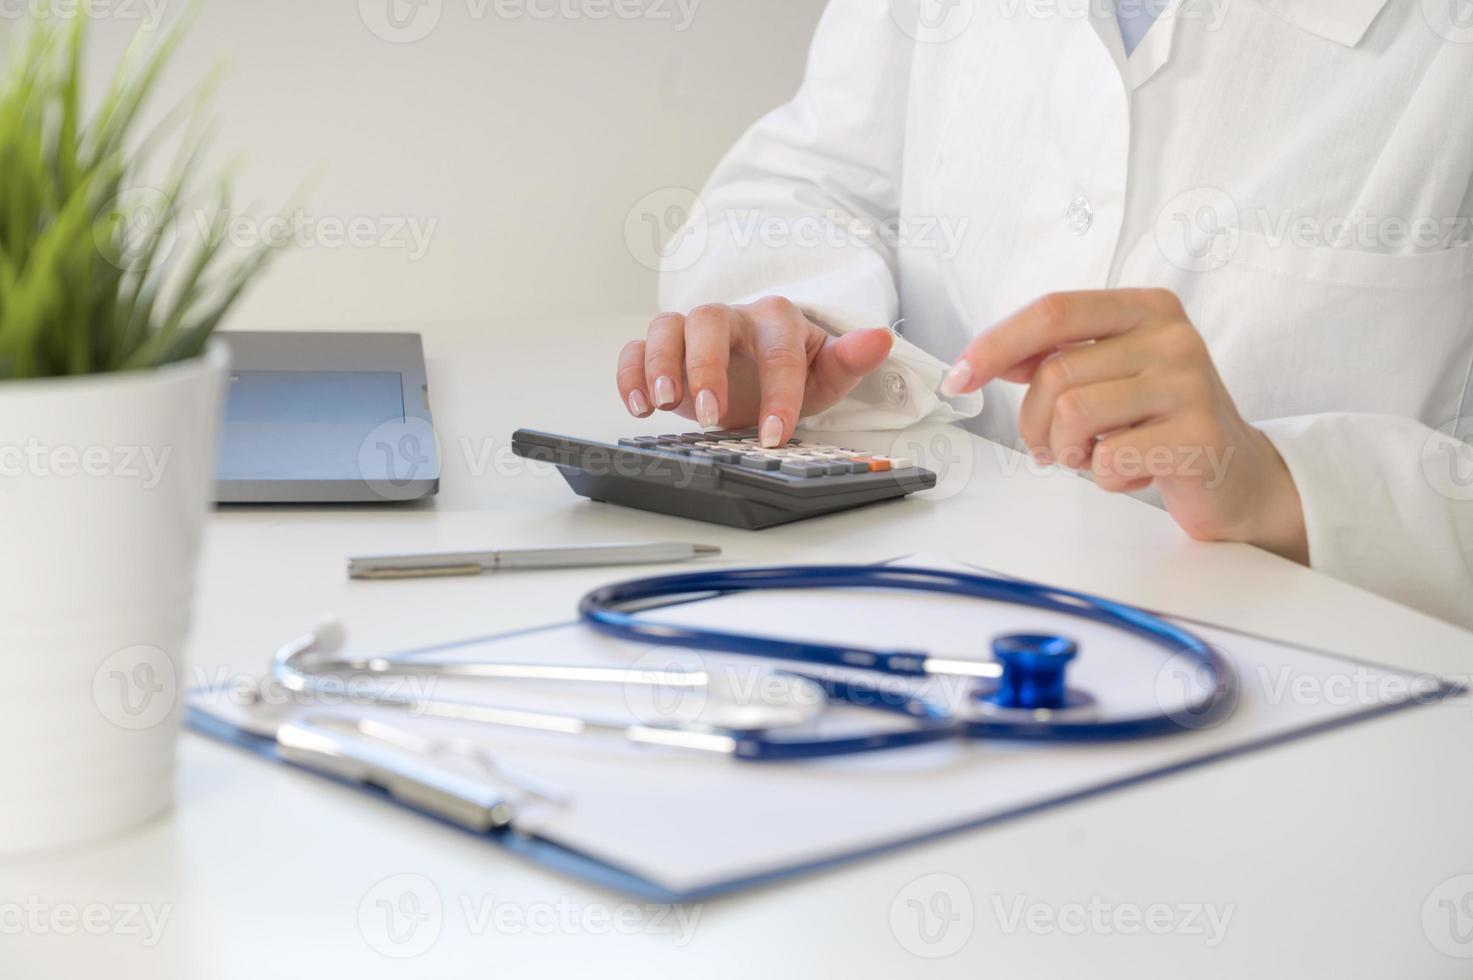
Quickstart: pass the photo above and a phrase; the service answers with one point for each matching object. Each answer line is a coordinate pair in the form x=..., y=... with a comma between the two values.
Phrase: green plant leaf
x=80, y=292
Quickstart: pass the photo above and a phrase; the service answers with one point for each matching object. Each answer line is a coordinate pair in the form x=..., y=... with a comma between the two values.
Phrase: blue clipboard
x=602, y=872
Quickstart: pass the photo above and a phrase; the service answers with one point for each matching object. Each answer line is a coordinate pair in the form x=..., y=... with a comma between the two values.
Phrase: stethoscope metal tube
x=311, y=664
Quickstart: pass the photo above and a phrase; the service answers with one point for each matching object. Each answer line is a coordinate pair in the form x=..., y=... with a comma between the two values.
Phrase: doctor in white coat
x=1218, y=248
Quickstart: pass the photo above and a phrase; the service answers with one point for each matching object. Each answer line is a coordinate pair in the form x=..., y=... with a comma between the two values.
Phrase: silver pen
x=476, y=562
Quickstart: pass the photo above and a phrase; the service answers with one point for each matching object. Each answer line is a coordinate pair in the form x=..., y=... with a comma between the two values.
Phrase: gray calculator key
x=795, y=468
x=857, y=467
x=724, y=455
x=837, y=467
x=759, y=462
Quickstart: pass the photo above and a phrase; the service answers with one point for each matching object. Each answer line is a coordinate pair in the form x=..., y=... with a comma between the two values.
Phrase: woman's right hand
x=762, y=364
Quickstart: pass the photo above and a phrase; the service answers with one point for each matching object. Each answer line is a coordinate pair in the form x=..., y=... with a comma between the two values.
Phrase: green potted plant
x=110, y=391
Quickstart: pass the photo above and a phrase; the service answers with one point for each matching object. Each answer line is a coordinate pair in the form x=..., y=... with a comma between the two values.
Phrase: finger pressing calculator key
x=726, y=476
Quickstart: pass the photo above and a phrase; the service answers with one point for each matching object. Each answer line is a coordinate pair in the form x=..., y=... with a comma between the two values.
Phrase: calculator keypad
x=741, y=447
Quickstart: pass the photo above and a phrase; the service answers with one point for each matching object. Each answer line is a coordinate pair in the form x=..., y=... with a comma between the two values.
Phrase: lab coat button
x=1079, y=215
x=896, y=393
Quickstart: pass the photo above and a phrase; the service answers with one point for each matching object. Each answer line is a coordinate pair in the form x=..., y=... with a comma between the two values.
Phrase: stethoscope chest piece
x=1034, y=681
x=1034, y=674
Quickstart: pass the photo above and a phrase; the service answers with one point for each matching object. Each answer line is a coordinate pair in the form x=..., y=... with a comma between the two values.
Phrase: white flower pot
x=104, y=485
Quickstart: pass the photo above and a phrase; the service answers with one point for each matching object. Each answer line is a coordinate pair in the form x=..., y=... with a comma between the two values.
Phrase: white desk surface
x=1325, y=851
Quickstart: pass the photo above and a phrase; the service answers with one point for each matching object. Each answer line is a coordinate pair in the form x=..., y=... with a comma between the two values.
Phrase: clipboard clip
x=410, y=768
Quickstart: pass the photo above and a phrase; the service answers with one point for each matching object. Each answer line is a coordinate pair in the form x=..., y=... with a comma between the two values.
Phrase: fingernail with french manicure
x=664, y=392
x=708, y=413
x=957, y=379
x=639, y=405
x=772, y=432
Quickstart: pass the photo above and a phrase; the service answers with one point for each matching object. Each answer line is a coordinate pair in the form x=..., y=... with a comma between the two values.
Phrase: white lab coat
x=1299, y=172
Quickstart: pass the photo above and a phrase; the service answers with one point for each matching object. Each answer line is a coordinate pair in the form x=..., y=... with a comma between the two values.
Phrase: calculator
x=725, y=476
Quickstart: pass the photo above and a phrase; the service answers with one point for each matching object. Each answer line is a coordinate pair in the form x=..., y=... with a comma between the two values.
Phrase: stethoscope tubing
x=606, y=610
x=314, y=663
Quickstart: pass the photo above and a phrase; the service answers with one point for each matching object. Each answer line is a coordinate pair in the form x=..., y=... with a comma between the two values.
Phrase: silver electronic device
x=326, y=417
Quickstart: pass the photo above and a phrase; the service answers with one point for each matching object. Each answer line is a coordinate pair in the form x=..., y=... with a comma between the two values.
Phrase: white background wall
x=523, y=141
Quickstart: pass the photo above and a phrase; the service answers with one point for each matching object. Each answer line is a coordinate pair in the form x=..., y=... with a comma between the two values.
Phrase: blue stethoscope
x=1022, y=693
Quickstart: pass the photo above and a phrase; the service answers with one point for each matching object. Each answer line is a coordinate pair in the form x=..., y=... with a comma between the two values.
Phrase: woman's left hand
x=1121, y=384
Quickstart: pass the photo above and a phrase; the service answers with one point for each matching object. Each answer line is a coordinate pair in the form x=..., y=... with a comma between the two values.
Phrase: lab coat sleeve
x=799, y=208
x=1388, y=505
